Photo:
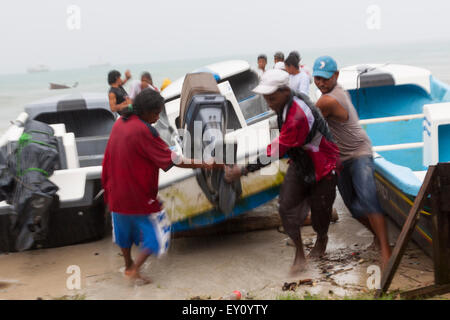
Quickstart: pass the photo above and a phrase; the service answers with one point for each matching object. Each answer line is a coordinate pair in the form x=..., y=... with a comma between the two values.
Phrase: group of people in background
x=300, y=77
x=119, y=99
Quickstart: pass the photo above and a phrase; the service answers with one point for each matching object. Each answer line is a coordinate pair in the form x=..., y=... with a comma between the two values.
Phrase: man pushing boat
x=311, y=177
x=134, y=154
x=356, y=181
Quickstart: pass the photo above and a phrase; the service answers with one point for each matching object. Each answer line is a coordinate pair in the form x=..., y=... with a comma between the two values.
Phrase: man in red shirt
x=133, y=156
x=311, y=176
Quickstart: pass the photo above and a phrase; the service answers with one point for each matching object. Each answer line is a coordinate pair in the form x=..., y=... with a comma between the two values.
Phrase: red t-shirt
x=297, y=125
x=133, y=156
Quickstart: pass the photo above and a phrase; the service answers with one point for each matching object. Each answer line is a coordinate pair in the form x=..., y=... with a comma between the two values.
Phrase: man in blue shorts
x=356, y=182
x=134, y=154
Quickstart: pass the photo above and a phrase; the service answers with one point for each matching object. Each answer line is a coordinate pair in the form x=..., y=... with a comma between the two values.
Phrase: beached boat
x=79, y=129
x=250, y=122
x=81, y=124
x=406, y=113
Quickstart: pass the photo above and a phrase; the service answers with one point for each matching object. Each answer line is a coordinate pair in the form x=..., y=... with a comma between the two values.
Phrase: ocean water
x=17, y=90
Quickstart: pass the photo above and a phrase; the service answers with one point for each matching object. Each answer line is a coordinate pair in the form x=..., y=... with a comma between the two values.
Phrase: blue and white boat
x=406, y=113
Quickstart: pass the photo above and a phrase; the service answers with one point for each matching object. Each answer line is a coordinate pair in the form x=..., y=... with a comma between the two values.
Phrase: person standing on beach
x=137, y=86
x=311, y=176
x=134, y=154
x=118, y=97
x=356, y=182
x=262, y=62
x=298, y=80
x=302, y=67
x=278, y=60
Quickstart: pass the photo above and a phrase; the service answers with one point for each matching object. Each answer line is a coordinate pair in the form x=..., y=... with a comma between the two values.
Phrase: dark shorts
x=356, y=184
x=297, y=198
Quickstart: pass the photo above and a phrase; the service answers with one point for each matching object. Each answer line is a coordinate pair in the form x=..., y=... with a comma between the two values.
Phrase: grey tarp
x=31, y=162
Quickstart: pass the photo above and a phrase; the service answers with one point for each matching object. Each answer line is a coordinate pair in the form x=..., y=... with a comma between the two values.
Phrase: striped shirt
x=298, y=122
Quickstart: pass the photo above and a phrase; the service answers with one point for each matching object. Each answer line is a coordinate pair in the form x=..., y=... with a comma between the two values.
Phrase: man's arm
x=158, y=152
x=196, y=164
x=331, y=108
x=127, y=77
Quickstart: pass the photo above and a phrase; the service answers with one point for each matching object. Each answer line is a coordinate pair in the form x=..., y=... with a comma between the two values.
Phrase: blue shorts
x=151, y=231
x=356, y=184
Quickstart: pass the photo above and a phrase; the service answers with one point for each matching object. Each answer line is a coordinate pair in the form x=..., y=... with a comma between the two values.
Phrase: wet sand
x=210, y=267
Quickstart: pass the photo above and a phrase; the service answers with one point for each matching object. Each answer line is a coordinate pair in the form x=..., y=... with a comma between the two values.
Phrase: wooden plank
x=426, y=292
x=406, y=233
x=444, y=202
x=444, y=170
x=439, y=221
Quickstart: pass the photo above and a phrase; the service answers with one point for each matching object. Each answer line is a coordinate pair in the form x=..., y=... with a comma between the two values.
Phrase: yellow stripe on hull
x=185, y=199
x=407, y=200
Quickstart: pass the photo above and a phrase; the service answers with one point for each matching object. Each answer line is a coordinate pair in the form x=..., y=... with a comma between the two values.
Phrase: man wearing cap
x=356, y=181
x=310, y=178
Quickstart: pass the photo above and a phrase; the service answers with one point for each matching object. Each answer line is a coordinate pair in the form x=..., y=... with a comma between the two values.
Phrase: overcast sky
x=136, y=31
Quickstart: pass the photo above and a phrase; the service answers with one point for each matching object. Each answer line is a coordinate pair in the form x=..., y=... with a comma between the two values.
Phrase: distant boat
x=38, y=68
x=54, y=86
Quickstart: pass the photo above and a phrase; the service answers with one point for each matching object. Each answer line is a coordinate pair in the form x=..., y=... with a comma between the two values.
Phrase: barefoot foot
x=319, y=247
x=135, y=277
x=297, y=267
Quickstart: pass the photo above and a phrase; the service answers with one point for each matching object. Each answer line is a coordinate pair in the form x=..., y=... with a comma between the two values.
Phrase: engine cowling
x=203, y=116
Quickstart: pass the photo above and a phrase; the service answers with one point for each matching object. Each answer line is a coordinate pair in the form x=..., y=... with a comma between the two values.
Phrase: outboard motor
x=203, y=116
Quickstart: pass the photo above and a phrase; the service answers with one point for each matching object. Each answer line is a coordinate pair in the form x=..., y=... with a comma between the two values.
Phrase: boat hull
x=68, y=224
x=396, y=204
x=189, y=208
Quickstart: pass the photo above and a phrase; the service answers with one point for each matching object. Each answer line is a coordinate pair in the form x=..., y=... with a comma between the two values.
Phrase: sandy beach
x=210, y=267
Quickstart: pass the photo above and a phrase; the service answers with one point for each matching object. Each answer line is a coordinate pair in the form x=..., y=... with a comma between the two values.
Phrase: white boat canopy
x=220, y=70
x=375, y=75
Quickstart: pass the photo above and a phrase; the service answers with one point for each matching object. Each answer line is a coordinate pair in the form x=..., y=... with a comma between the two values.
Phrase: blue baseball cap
x=324, y=67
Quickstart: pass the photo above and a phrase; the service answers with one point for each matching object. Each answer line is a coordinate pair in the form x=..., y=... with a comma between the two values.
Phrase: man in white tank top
x=137, y=86
x=356, y=182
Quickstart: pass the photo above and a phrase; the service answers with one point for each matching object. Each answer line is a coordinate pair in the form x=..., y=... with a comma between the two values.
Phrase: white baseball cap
x=279, y=65
x=271, y=81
